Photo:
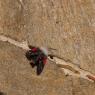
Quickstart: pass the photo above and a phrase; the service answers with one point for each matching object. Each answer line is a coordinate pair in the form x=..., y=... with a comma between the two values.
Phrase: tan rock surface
x=66, y=25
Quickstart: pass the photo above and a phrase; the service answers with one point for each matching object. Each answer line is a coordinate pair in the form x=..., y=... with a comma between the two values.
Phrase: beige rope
x=68, y=67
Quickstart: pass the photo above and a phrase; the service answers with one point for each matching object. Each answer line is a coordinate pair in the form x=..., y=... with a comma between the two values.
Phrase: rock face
x=65, y=25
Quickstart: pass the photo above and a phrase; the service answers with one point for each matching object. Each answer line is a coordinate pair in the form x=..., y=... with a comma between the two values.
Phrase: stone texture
x=66, y=25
